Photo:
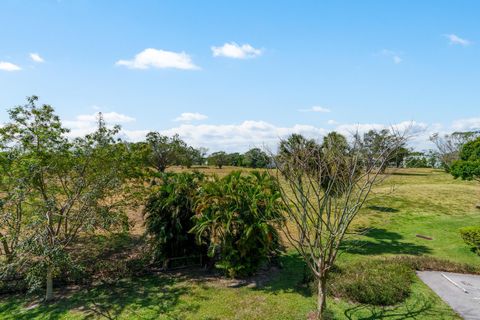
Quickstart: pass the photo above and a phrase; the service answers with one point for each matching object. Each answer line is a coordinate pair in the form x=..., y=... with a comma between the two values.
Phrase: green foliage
x=169, y=212
x=471, y=236
x=218, y=159
x=53, y=189
x=161, y=151
x=468, y=166
x=256, y=158
x=237, y=217
x=374, y=282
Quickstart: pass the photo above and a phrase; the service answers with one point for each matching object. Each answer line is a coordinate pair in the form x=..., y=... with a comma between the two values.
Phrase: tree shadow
x=290, y=277
x=383, y=242
x=154, y=296
x=409, y=174
x=407, y=310
x=383, y=209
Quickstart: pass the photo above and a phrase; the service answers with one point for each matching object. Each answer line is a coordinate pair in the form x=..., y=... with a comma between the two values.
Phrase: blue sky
x=248, y=72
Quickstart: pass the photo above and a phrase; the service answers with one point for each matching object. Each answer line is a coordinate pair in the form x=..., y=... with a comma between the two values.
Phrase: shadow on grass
x=409, y=174
x=290, y=277
x=383, y=242
x=418, y=307
x=383, y=209
x=154, y=296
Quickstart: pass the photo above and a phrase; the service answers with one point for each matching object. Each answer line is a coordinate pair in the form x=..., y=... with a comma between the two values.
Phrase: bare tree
x=323, y=189
x=449, y=145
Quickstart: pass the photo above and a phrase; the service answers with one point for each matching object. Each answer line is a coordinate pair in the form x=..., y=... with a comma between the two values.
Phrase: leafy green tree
x=237, y=217
x=218, y=159
x=235, y=159
x=449, y=146
x=65, y=188
x=256, y=158
x=295, y=150
x=169, y=214
x=468, y=166
x=165, y=151
x=376, y=144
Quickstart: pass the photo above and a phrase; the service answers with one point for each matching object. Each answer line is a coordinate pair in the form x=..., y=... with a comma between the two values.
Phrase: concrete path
x=460, y=291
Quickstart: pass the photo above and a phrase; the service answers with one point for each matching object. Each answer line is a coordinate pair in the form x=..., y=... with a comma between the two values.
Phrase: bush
x=375, y=282
x=471, y=236
x=237, y=217
x=169, y=213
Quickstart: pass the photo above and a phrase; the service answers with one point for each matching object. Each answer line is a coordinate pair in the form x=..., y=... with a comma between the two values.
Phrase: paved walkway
x=460, y=291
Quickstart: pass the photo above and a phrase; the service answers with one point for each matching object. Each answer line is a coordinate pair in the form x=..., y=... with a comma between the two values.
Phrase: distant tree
x=235, y=159
x=57, y=188
x=375, y=143
x=449, y=145
x=334, y=140
x=399, y=156
x=292, y=150
x=322, y=193
x=468, y=166
x=218, y=159
x=165, y=151
x=256, y=158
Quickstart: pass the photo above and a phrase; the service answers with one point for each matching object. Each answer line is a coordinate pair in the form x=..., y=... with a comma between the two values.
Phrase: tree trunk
x=49, y=293
x=322, y=295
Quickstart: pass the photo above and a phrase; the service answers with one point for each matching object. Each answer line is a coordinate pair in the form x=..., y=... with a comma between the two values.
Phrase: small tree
x=65, y=187
x=218, y=159
x=468, y=166
x=449, y=145
x=256, y=158
x=164, y=151
x=323, y=190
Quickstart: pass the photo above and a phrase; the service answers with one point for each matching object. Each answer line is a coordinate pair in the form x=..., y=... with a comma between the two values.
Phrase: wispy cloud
x=235, y=51
x=466, y=124
x=190, y=116
x=456, y=40
x=8, y=66
x=316, y=109
x=395, y=56
x=160, y=59
x=36, y=57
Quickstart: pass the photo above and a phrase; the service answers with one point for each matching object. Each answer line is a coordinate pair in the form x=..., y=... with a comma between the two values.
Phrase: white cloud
x=397, y=59
x=235, y=51
x=87, y=123
x=8, y=66
x=36, y=57
x=456, y=40
x=113, y=117
x=161, y=59
x=316, y=109
x=191, y=116
x=395, y=56
x=466, y=124
x=240, y=137
x=332, y=122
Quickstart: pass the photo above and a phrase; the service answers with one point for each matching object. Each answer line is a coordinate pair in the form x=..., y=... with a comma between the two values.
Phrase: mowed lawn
x=409, y=203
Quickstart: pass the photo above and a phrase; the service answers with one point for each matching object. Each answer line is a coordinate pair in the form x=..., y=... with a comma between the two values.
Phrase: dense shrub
x=169, y=213
x=236, y=217
x=375, y=282
x=471, y=235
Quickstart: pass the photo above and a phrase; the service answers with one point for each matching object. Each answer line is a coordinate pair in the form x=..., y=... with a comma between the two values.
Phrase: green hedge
x=471, y=235
x=374, y=282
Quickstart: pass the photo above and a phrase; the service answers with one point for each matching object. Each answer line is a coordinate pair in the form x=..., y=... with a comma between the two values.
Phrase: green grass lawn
x=424, y=201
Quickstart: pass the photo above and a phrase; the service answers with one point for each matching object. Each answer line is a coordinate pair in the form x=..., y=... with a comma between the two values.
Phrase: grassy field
x=411, y=202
